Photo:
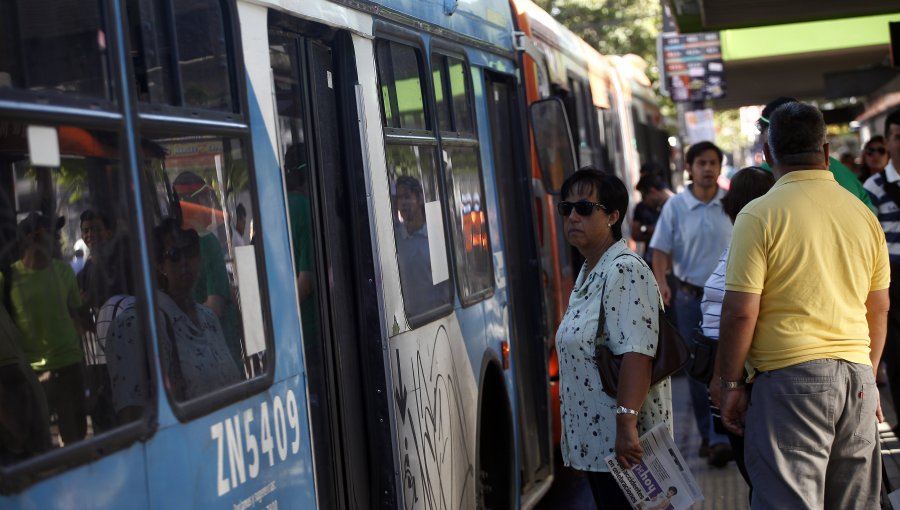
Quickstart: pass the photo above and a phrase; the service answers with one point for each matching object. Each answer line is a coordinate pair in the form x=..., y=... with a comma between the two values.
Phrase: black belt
x=689, y=288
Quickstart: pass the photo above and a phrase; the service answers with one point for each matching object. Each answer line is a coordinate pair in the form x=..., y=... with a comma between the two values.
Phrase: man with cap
x=46, y=305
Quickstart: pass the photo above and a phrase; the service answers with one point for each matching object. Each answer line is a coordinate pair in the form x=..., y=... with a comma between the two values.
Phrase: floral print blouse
x=205, y=362
x=632, y=315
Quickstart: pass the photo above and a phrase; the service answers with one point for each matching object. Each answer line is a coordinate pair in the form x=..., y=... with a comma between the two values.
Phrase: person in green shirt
x=213, y=289
x=46, y=306
x=843, y=175
x=24, y=417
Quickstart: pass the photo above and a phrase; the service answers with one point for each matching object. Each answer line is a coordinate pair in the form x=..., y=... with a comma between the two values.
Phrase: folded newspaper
x=662, y=481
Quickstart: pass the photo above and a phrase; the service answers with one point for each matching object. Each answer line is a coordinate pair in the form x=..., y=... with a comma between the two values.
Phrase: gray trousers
x=812, y=437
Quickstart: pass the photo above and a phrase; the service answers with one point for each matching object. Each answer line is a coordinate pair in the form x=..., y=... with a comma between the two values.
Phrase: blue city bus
x=268, y=254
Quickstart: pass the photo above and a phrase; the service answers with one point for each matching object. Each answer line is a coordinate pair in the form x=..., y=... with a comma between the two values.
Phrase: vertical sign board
x=693, y=66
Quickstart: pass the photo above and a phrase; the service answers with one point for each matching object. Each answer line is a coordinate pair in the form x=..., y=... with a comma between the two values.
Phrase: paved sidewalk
x=722, y=488
x=890, y=447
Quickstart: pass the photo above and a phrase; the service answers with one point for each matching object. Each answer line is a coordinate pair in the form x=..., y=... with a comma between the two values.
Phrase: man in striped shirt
x=884, y=189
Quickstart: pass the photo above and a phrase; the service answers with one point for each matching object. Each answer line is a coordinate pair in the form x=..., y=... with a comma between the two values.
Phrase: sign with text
x=693, y=66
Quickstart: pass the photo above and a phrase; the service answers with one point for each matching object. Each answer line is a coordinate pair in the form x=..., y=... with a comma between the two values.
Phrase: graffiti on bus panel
x=240, y=453
x=433, y=427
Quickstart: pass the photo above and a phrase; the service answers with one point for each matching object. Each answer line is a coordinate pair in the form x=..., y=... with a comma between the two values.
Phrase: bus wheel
x=495, y=488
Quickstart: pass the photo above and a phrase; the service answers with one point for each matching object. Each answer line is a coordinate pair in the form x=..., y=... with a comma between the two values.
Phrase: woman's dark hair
x=747, y=185
x=611, y=192
x=701, y=147
x=874, y=139
x=171, y=227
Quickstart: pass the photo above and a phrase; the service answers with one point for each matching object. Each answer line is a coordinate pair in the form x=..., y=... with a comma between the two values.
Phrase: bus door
x=529, y=336
x=314, y=87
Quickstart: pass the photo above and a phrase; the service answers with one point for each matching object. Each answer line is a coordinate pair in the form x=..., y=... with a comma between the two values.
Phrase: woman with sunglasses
x=594, y=424
x=874, y=158
x=195, y=356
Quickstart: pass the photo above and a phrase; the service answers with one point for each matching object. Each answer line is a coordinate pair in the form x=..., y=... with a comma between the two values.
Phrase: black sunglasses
x=876, y=150
x=176, y=253
x=582, y=207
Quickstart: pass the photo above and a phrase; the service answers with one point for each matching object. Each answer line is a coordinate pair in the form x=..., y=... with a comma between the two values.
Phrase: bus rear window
x=188, y=64
x=54, y=46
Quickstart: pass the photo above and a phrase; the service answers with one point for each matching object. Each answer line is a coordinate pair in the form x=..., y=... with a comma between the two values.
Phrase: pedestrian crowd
x=784, y=280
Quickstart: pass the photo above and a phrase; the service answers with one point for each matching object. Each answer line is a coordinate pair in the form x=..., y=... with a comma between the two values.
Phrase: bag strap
x=892, y=189
x=601, y=320
x=177, y=376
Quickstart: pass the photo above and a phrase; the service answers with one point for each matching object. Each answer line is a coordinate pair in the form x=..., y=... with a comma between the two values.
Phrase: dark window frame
x=234, y=58
x=461, y=139
x=53, y=98
x=386, y=32
x=212, y=126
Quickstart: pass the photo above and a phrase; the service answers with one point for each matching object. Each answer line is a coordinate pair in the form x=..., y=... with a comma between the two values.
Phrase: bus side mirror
x=552, y=141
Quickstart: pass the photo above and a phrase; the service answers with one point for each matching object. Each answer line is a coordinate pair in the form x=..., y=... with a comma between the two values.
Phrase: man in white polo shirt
x=691, y=233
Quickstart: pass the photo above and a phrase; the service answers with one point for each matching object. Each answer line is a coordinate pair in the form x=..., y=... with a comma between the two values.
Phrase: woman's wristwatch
x=625, y=410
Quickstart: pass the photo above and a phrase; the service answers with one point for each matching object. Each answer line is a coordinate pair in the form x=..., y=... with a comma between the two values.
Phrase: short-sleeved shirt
x=713, y=295
x=694, y=233
x=205, y=363
x=632, y=325
x=888, y=211
x=847, y=179
x=304, y=260
x=214, y=281
x=42, y=300
x=813, y=252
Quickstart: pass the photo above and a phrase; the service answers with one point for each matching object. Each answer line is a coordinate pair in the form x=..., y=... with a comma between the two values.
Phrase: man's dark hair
x=747, y=185
x=874, y=139
x=92, y=215
x=673, y=490
x=892, y=118
x=240, y=211
x=797, y=134
x=701, y=147
x=611, y=192
x=411, y=183
x=650, y=181
x=773, y=105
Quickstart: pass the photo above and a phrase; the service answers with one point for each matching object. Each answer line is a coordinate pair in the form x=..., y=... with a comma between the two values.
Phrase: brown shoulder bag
x=671, y=351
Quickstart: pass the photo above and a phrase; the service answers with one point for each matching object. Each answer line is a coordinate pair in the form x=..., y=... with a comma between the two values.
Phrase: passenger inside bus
x=105, y=278
x=195, y=357
x=24, y=417
x=46, y=306
x=199, y=209
x=419, y=293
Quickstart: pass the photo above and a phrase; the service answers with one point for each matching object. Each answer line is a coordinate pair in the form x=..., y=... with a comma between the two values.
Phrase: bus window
x=460, y=89
x=57, y=46
x=442, y=97
x=415, y=192
x=68, y=283
x=197, y=42
x=463, y=166
x=207, y=274
x=553, y=142
x=402, y=104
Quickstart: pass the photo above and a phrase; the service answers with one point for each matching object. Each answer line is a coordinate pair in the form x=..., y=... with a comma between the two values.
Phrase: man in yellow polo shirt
x=805, y=307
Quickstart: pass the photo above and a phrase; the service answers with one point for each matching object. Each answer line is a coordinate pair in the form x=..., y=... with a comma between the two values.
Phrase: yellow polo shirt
x=813, y=252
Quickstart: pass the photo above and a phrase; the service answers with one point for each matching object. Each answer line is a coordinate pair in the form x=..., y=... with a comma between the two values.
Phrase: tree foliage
x=614, y=27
